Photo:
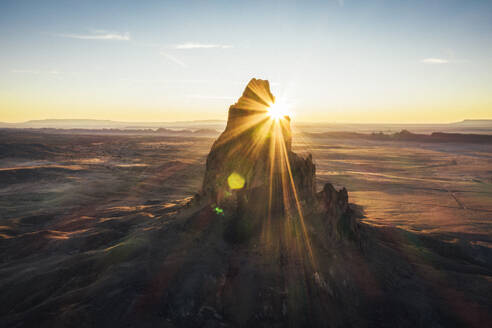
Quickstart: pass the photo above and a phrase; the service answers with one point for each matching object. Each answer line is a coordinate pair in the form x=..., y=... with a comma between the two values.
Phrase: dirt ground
x=428, y=188
x=89, y=233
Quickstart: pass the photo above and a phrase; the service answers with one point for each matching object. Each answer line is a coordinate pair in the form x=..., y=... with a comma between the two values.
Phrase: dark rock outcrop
x=253, y=175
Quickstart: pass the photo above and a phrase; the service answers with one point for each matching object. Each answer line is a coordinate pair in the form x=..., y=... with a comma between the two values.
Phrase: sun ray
x=282, y=164
x=298, y=205
x=253, y=120
x=267, y=126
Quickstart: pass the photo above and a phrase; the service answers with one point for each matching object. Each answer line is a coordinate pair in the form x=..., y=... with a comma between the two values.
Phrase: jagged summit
x=252, y=172
x=252, y=107
x=256, y=94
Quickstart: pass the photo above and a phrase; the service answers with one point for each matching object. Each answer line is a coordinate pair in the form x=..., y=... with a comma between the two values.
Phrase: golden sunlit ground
x=419, y=187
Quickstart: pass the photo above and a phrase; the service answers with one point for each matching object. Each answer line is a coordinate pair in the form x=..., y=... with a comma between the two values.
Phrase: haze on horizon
x=335, y=61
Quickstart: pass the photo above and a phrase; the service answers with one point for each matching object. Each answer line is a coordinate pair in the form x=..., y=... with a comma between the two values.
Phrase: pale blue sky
x=336, y=61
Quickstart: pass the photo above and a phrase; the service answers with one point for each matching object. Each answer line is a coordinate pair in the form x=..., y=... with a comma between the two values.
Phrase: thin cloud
x=25, y=71
x=341, y=2
x=174, y=59
x=190, y=45
x=29, y=71
x=210, y=97
x=435, y=61
x=98, y=35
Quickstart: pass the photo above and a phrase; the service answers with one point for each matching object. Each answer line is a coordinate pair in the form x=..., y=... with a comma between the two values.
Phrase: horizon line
x=224, y=121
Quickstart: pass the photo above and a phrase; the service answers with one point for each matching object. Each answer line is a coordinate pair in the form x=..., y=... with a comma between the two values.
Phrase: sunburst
x=278, y=110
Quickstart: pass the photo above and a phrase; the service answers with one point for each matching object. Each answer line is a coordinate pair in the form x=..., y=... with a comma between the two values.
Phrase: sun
x=277, y=111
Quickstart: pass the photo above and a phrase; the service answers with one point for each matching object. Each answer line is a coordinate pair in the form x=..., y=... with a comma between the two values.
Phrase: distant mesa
x=94, y=124
x=476, y=121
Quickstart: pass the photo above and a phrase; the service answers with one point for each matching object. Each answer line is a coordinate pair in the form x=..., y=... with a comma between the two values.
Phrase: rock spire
x=252, y=172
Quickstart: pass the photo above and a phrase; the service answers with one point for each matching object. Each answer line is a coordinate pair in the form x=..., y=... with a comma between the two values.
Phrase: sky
x=355, y=61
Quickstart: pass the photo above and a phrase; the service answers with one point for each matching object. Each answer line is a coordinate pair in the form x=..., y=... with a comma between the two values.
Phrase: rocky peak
x=245, y=149
x=252, y=173
x=251, y=110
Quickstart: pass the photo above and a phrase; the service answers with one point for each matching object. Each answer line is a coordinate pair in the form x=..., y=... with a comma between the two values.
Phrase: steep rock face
x=252, y=172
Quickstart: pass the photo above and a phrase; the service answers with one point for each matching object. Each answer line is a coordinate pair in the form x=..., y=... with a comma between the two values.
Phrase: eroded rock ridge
x=253, y=174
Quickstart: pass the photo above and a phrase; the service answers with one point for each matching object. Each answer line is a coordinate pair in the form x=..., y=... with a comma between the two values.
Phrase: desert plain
x=77, y=210
x=443, y=188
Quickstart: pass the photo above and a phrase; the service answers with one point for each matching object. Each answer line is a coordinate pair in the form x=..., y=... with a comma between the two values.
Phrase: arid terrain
x=246, y=164
x=425, y=187
x=53, y=175
x=441, y=188
x=75, y=208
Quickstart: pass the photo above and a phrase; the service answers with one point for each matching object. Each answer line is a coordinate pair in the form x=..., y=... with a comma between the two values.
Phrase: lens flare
x=235, y=181
x=277, y=111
